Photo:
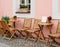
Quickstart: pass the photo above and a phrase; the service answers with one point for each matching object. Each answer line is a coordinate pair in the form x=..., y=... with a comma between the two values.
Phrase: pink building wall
x=42, y=8
x=6, y=7
x=59, y=6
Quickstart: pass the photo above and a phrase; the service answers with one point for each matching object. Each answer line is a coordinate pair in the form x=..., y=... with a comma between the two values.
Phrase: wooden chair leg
x=53, y=38
x=36, y=39
x=21, y=33
x=27, y=36
x=5, y=36
x=11, y=37
x=37, y=36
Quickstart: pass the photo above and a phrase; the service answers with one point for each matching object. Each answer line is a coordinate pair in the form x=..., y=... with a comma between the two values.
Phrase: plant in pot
x=23, y=6
x=49, y=18
x=5, y=18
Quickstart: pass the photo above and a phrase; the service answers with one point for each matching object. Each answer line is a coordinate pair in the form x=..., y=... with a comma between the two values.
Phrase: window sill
x=22, y=12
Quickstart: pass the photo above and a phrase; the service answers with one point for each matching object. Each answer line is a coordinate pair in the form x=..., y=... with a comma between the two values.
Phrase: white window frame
x=55, y=13
x=28, y=15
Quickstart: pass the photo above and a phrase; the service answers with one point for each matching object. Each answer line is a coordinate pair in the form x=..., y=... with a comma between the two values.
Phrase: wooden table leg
x=42, y=32
x=49, y=27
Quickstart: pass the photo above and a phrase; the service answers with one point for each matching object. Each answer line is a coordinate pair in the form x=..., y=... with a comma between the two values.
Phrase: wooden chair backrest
x=35, y=24
x=5, y=26
x=0, y=25
x=1, y=29
x=58, y=27
x=27, y=22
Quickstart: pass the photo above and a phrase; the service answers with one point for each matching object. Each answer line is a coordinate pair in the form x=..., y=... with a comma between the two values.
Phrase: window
x=24, y=6
x=55, y=13
x=18, y=11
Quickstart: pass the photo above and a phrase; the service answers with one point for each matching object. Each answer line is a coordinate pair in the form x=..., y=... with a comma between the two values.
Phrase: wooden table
x=48, y=25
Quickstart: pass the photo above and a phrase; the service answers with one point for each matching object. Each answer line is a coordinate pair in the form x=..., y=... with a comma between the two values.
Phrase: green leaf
x=5, y=18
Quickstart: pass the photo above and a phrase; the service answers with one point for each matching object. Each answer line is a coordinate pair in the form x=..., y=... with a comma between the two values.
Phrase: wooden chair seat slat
x=56, y=35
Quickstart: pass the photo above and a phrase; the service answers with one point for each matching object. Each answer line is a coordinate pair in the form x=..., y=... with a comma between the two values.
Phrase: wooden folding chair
x=8, y=30
x=35, y=30
x=26, y=26
x=57, y=34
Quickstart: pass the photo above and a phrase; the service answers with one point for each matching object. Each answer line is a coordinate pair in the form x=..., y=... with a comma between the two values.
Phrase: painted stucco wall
x=6, y=7
x=43, y=8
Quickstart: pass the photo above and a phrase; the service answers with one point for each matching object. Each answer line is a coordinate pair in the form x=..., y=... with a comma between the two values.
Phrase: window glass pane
x=23, y=1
